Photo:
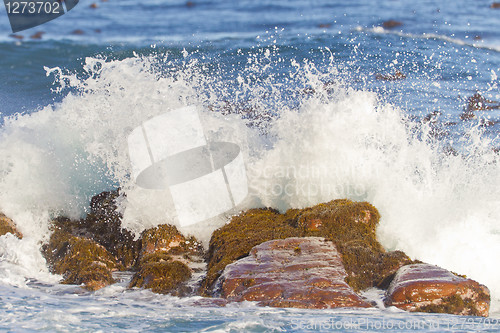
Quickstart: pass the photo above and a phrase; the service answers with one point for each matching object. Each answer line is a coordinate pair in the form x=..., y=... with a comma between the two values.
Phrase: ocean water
x=293, y=83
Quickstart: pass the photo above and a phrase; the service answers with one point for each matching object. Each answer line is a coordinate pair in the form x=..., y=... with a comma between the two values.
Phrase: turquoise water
x=294, y=84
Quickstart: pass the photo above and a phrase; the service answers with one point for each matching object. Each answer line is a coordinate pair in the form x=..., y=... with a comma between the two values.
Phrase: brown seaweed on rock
x=8, y=226
x=79, y=260
x=103, y=225
x=235, y=240
x=165, y=260
x=350, y=225
x=352, y=228
x=86, y=251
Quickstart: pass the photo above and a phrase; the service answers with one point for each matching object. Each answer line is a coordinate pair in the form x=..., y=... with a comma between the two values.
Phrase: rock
x=94, y=6
x=37, y=35
x=495, y=5
x=210, y=302
x=468, y=115
x=20, y=37
x=293, y=272
x=235, y=240
x=8, y=226
x=79, y=260
x=429, y=288
x=78, y=32
x=432, y=117
x=390, y=24
x=478, y=102
x=162, y=274
x=104, y=225
x=350, y=225
x=391, y=77
x=352, y=228
x=167, y=261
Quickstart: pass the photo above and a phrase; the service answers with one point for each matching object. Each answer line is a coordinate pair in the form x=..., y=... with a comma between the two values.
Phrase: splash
x=306, y=136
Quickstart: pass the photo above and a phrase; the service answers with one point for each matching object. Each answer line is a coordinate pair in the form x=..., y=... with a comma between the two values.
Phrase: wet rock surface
x=477, y=102
x=8, y=226
x=235, y=240
x=167, y=261
x=79, y=260
x=351, y=226
x=391, y=24
x=103, y=226
x=317, y=257
x=429, y=288
x=293, y=272
x=396, y=76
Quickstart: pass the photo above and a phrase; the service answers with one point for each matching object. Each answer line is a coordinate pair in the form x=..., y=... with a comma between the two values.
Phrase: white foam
x=21, y=262
x=445, y=38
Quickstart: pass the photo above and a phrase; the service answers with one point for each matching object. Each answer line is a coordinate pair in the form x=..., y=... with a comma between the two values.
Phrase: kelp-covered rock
x=79, y=260
x=86, y=251
x=103, y=225
x=162, y=274
x=104, y=222
x=350, y=225
x=429, y=288
x=235, y=240
x=304, y=272
x=8, y=226
x=168, y=239
x=352, y=228
x=167, y=261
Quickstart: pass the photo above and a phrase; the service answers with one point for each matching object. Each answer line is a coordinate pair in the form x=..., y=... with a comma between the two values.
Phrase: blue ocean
x=324, y=100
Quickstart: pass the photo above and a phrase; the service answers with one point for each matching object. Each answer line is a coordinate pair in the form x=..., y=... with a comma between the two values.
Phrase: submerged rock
x=103, y=225
x=429, y=288
x=293, y=272
x=37, y=35
x=390, y=24
x=78, y=32
x=8, y=226
x=478, y=102
x=79, y=260
x=398, y=75
x=167, y=261
x=16, y=36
